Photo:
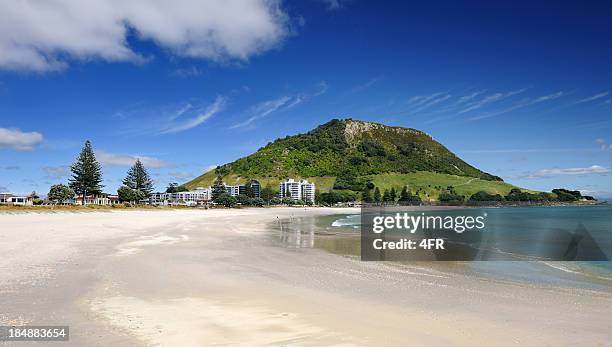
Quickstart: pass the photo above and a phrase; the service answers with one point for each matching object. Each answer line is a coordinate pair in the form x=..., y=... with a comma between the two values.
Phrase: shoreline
x=203, y=277
x=8, y=209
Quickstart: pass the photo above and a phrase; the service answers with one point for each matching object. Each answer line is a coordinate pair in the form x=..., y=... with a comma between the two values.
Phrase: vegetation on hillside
x=348, y=149
x=345, y=155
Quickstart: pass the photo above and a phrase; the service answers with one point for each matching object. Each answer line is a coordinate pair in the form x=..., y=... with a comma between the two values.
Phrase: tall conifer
x=138, y=179
x=86, y=173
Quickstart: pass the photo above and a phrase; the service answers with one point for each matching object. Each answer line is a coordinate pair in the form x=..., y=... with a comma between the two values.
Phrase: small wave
x=561, y=267
x=353, y=221
x=578, y=270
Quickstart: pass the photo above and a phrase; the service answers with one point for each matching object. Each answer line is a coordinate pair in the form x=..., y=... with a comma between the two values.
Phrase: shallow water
x=340, y=234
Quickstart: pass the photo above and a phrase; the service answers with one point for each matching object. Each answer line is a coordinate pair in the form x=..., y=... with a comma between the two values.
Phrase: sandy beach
x=215, y=277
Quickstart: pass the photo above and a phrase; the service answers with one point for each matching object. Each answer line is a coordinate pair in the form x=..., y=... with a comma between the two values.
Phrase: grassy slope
x=428, y=181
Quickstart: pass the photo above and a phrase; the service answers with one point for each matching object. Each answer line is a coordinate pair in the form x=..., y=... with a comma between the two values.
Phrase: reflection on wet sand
x=308, y=232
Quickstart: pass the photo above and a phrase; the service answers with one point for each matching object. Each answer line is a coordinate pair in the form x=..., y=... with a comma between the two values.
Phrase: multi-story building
x=297, y=190
x=241, y=189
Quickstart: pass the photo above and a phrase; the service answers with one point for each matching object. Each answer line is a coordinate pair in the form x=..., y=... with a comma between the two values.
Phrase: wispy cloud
x=576, y=171
x=596, y=193
x=594, y=169
x=186, y=72
x=113, y=159
x=174, y=126
x=529, y=150
x=12, y=138
x=279, y=104
x=489, y=99
x=56, y=172
x=421, y=99
x=604, y=144
x=364, y=86
x=469, y=97
x=263, y=109
x=521, y=104
x=179, y=175
x=332, y=4
x=590, y=98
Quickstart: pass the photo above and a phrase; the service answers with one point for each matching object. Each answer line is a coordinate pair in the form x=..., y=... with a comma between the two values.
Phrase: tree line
x=86, y=180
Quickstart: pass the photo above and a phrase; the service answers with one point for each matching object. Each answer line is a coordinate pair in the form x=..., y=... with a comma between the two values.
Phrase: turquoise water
x=340, y=234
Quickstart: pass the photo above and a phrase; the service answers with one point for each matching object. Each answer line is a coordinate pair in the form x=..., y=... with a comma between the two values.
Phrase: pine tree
x=366, y=195
x=404, y=195
x=218, y=188
x=377, y=197
x=86, y=173
x=248, y=189
x=393, y=194
x=138, y=179
x=386, y=196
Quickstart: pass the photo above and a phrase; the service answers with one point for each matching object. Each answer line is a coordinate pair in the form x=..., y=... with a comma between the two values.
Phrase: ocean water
x=340, y=234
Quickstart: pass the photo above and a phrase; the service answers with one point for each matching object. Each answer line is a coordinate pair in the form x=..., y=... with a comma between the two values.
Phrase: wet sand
x=196, y=278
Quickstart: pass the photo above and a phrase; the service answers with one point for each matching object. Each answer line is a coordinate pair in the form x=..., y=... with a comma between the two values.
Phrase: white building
x=234, y=190
x=103, y=199
x=297, y=190
x=198, y=196
x=10, y=199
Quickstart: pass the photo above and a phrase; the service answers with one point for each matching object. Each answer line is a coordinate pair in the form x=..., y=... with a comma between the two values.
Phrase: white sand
x=217, y=277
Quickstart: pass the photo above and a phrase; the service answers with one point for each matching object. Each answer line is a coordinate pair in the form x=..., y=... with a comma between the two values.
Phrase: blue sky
x=519, y=90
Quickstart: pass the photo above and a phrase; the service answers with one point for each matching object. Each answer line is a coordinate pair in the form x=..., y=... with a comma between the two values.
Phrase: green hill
x=346, y=154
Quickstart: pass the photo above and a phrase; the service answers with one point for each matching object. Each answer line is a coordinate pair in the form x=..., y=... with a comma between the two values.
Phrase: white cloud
x=263, y=109
x=364, y=86
x=211, y=110
x=112, y=159
x=523, y=103
x=282, y=103
x=46, y=35
x=332, y=4
x=322, y=88
x=594, y=169
x=178, y=175
x=604, y=145
x=596, y=193
x=187, y=72
x=56, y=171
x=490, y=99
x=16, y=139
x=469, y=97
x=591, y=98
x=421, y=99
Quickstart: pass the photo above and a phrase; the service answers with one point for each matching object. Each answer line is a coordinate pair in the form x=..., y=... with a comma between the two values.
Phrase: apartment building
x=297, y=190
x=241, y=189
